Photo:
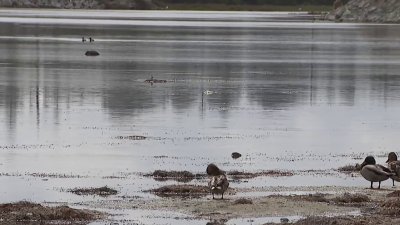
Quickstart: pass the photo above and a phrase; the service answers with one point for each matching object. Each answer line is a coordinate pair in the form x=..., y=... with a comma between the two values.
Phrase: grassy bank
x=224, y=7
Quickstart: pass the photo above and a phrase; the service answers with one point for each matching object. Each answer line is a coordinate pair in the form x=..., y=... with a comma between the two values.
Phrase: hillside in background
x=375, y=11
x=262, y=5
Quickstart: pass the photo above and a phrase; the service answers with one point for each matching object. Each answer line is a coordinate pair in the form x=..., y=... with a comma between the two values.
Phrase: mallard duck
x=374, y=172
x=218, y=185
x=213, y=170
x=394, y=166
x=218, y=182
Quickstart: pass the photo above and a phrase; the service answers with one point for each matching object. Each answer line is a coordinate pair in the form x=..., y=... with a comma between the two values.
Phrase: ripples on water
x=284, y=90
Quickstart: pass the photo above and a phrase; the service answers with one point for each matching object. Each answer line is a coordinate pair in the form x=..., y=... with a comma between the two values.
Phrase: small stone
x=92, y=53
x=284, y=220
x=236, y=155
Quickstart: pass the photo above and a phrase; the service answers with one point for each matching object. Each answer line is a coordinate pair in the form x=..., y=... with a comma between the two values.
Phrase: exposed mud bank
x=28, y=212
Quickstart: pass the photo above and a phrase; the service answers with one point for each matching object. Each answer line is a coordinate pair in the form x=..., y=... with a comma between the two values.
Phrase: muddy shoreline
x=296, y=204
x=344, y=206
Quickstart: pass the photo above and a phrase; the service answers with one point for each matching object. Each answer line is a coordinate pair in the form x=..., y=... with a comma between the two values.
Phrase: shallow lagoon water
x=287, y=92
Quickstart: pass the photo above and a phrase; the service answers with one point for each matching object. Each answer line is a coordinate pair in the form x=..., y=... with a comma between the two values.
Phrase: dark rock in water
x=236, y=155
x=284, y=220
x=92, y=53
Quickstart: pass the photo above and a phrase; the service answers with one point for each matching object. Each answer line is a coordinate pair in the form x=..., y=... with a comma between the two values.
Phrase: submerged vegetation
x=101, y=191
x=181, y=191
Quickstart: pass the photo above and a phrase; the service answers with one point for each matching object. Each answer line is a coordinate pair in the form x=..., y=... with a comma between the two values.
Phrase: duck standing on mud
x=394, y=166
x=218, y=182
x=374, y=172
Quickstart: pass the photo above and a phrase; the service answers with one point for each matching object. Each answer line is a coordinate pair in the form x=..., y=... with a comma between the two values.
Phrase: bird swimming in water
x=218, y=182
x=394, y=166
x=374, y=172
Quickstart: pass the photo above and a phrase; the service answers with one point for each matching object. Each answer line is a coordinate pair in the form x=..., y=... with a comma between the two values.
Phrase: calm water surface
x=285, y=91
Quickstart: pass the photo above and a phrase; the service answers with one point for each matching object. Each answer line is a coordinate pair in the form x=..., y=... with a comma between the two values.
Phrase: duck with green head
x=374, y=172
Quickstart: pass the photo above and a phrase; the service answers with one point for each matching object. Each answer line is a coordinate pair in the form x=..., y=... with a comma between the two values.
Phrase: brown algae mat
x=101, y=191
x=181, y=191
x=180, y=176
x=27, y=212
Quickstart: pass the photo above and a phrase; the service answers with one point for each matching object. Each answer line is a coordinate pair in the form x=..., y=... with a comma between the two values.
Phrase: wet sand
x=254, y=205
x=343, y=204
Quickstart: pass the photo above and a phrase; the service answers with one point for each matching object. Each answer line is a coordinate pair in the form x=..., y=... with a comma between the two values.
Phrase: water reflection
x=272, y=74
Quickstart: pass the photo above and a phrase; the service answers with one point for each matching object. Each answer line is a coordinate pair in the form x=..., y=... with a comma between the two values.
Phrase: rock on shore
x=82, y=4
x=375, y=11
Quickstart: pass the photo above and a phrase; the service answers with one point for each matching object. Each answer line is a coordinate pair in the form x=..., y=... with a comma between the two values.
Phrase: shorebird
x=218, y=182
x=394, y=166
x=374, y=172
